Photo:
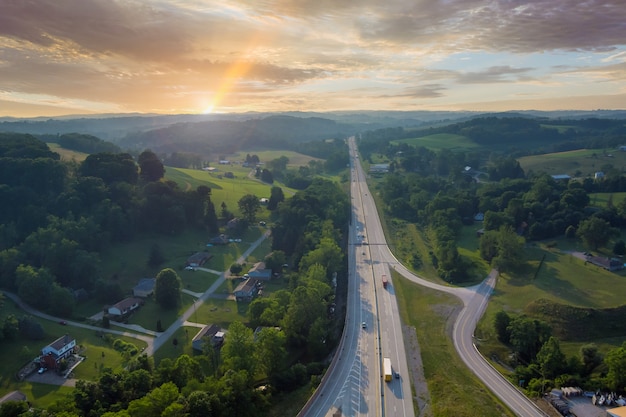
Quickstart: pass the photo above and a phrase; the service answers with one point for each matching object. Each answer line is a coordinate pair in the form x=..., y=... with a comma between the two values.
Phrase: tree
x=527, y=336
x=276, y=197
x=156, y=256
x=591, y=357
x=615, y=360
x=167, y=288
x=619, y=248
x=249, y=205
x=236, y=268
x=270, y=350
x=510, y=250
x=155, y=403
x=266, y=176
x=14, y=408
x=501, y=324
x=595, y=232
x=31, y=328
x=551, y=359
x=150, y=166
x=238, y=349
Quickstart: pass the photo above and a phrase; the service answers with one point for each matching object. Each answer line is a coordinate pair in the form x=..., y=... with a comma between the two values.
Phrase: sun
x=208, y=110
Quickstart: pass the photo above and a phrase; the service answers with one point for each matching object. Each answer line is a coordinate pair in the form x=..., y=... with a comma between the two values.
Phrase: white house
x=57, y=350
x=124, y=307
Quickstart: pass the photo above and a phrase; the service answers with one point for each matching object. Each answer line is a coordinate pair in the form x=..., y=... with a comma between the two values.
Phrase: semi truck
x=385, y=281
x=387, y=369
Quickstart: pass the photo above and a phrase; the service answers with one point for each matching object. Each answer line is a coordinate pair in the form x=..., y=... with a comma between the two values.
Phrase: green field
x=67, y=154
x=438, y=141
x=602, y=199
x=579, y=163
x=295, y=159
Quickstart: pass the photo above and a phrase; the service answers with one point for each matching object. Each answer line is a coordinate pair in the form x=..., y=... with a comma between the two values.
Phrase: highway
x=354, y=385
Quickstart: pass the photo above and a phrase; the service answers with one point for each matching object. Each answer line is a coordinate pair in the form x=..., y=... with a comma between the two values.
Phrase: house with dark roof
x=198, y=258
x=124, y=307
x=219, y=240
x=246, y=290
x=258, y=271
x=144, y=288
x=211, y=333
x=610, y=264
x=60, y=349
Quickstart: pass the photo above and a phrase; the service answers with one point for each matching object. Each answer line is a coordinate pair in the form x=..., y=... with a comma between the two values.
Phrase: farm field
x=437, y=141
x=228, y=190
x=295, y=159
x=579, y=163
x=67, y=154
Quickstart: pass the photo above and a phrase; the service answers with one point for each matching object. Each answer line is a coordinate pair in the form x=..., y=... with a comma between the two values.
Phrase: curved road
x=153, y=343
x=330, y=398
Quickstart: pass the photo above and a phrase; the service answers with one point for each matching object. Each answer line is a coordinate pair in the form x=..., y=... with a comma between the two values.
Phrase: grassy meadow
x=447, y=141
x=578, y=163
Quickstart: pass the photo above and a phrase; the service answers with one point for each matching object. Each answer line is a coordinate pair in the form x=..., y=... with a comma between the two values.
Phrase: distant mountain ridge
x=225, y=132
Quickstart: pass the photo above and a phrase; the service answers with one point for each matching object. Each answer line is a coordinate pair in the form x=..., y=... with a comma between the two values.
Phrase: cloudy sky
x=199, y=56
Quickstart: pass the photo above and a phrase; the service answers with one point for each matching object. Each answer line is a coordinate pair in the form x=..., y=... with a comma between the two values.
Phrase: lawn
x=98, y=350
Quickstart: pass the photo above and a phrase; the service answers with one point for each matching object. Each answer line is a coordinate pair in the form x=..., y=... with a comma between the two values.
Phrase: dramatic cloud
x=240, y=55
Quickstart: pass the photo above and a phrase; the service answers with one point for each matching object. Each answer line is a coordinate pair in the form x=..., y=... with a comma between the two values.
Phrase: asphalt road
x=353, y=385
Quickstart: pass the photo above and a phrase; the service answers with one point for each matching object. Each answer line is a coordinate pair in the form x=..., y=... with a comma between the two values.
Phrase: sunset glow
x=202, y=56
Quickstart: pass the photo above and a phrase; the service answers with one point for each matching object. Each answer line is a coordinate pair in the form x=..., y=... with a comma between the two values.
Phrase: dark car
x=63, y=322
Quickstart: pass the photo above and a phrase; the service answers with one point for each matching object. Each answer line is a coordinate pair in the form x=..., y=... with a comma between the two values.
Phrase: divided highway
x=354, y=384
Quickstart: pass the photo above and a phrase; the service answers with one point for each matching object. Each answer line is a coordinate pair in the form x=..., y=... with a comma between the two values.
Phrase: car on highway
x=364, y=325
x=41, y=371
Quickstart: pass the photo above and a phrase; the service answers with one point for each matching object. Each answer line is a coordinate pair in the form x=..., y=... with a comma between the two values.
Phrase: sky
x=60, y=57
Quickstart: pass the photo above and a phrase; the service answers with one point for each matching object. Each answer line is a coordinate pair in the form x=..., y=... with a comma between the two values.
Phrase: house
x=198, y=259
x=229, y=174
x=224, y=162
x=124, y=307
x=610, y=264
x=479, y=217
x=264, y=201
x=233, y=223
x=379, y=168
x=598, y=175
x=211, y=333
x=246, y=290
x=259, y=272
x=13, y=396
x=144, y=288
x=219, y=240
x=558, y=177
x=60, y=349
